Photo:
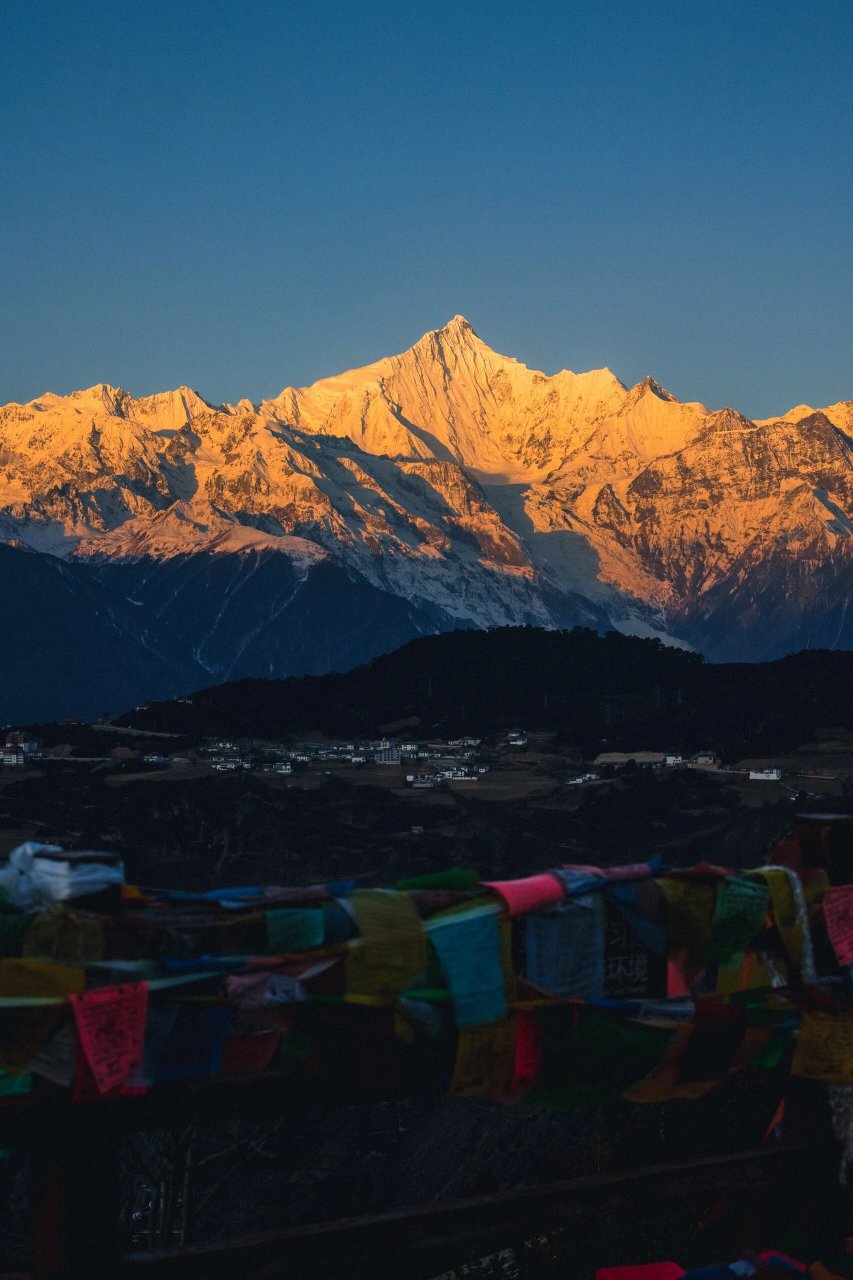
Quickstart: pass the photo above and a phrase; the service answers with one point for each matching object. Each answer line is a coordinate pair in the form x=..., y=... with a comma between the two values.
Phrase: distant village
x=422, y=764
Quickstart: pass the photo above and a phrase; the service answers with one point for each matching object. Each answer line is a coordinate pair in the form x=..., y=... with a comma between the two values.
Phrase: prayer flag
x=689, y=911
x=195, y=1044
x=391, y=951
x=565, y=948
x=838, y=914
x=644, y=1271
x=294, y=929
x=527, y=1060
x=824, y=1048
x=528, y=894
x=484, y=1060
x=24, y=1029
x=469, y=951
x=111, y=1031
x=739, y=912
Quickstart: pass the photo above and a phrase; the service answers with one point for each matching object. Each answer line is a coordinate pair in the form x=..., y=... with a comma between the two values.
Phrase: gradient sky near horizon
x=241, y=196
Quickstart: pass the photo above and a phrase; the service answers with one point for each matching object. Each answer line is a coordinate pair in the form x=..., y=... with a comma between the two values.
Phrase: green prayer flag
x=294, y=929
x=739, y=912
x=10, y=1085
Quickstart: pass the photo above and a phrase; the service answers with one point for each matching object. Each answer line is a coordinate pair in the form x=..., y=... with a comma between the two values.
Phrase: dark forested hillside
x=628, y=692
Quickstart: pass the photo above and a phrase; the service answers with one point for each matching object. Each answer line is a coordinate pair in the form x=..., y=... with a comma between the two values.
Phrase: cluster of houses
x=673, y=760
x=431, y=763
x=19, y=750
x=435, y=761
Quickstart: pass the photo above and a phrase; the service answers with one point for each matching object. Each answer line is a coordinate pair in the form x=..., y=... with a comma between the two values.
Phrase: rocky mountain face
x=157, y=544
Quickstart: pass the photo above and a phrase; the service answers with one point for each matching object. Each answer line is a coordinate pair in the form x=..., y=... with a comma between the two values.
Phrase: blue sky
x=239, y=196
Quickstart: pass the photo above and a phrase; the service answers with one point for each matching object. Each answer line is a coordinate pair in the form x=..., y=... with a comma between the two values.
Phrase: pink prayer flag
x=111, y=1031
x=528, y=894
x=838, y=914
x=645, y=1271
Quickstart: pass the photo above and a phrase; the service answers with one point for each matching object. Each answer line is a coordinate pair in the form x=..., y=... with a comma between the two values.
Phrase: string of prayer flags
x=110, y=1025
x=740, y=911
x=838, y=914
x=469, y=952
x=294, y=929
x=565, y=948
x=391, y=952
x=531, y=893
x=561, y=989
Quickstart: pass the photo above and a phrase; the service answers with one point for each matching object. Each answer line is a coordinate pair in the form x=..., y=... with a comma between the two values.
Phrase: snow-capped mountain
x=158, y=543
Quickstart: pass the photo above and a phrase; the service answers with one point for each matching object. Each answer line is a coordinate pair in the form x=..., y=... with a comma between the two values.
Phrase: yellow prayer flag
x=23, y=1030
x=689, y=911
x=784, y=908
x=824, y=1048
x=391, y=952
x=485, y=1056
x=58, y=934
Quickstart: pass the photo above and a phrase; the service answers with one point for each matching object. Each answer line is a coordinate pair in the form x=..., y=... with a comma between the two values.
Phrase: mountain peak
x=103, y=395
x=649, y=384
x=457, y=331
x=457, y=325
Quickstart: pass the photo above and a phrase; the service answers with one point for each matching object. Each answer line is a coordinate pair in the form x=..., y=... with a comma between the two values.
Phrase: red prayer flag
x=644, y=1271
x=527, y=1063
x=838, y=913
x=111, y=1031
